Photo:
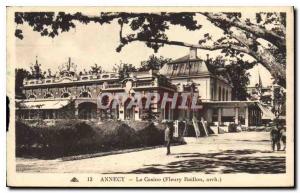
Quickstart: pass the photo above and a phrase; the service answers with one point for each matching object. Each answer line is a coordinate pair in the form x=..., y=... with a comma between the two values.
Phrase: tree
x=235, y=72
x=279, y=106
x=36, y=71
x=124, y=69
x=20, y=75
x=239, y=77
x=279, y=102
x=263, y=39
x=96, y=69
x=154, y=63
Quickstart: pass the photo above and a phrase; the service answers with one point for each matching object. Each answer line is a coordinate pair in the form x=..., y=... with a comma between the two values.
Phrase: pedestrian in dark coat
x=169, y=136
x=275, y=138
x=282, y=136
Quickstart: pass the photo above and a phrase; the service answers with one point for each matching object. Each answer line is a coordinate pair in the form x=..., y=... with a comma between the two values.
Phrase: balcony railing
x=144, y=84
x=87, y=77
x=113, y=86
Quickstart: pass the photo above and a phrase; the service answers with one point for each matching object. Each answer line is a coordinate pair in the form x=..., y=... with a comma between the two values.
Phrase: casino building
x=72, y=95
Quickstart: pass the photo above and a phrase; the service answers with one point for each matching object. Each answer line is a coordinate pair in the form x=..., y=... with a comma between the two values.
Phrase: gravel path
x=246, y=152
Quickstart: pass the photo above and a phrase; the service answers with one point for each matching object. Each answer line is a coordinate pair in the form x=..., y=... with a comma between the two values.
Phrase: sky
x=93, y=43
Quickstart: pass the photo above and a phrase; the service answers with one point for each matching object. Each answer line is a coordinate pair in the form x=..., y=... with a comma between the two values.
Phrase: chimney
x=193, y=53
x=207, y=58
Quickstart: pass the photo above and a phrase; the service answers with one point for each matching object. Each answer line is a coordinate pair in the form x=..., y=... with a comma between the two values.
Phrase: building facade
x=71, y=95
x=219, y=109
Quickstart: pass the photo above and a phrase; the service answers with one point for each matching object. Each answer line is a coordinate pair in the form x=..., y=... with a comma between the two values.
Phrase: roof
x=184, y=59
x=266, y=112
x=183, y=68
x=229, y=104
x=186, y=67
x=46, y=104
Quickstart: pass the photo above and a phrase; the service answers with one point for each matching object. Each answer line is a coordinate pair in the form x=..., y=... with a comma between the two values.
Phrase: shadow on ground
x=229, y=161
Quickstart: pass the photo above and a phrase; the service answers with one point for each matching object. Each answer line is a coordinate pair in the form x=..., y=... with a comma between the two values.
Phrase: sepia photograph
x=150, y=97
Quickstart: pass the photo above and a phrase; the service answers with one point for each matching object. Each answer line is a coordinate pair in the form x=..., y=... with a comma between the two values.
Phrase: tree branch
x=184, y=44
x=277, y=70
x=272, y=37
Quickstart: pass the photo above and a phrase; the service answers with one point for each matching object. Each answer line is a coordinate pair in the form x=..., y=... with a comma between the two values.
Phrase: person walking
x=169, y=136
x=275, y=138
x=282, y=136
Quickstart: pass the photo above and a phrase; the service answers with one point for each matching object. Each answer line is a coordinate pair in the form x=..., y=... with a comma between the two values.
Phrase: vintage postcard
x=150, y=96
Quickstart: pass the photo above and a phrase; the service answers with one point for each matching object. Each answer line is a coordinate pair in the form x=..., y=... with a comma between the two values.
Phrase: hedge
x=74, y=137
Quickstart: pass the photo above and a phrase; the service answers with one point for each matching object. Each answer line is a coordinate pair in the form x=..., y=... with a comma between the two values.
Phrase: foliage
x=147, y=25
x=36, y=71
x=154, y=63
x=266, y=99
x=262, y=38
x=71, y=137
x=239, y=78
x=232, y=127
x=124, y=69
x=279, y=102
x=96, y=69
x=235, y=72
x=20, y=75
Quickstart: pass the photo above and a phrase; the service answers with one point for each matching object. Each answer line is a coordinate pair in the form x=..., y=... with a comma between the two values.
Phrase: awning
x=53, y=104
x=266, y=112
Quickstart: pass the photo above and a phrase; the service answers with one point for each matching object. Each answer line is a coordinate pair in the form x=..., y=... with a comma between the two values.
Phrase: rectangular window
x=175, y=66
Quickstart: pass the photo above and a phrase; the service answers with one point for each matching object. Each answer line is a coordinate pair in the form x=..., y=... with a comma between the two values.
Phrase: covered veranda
x=222, y=113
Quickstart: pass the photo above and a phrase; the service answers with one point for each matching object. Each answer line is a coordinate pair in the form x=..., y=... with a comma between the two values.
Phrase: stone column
x=236, y=118
x=76, y=111
x=136, y=111
x=209, y=114
x=47, y=113
x=219, y=116
x=122, y=112
x=156, y=108
x=98, y=114
x=246, y=116
x=170, y=117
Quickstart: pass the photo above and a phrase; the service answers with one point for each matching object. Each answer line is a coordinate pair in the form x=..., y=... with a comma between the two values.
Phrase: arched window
x=105, y=110
x=48, y=95
x=145, y=111
x=32, y=96
x=87, y=110
x=85, y=94
x=129, y=109
x=114, y=109
x=105, y=76
x=65, y=95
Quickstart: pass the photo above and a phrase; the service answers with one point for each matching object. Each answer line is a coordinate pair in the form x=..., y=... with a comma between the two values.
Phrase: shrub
x=232, y=127
x=25, y=135
x=150, y=135
x=73, y=137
